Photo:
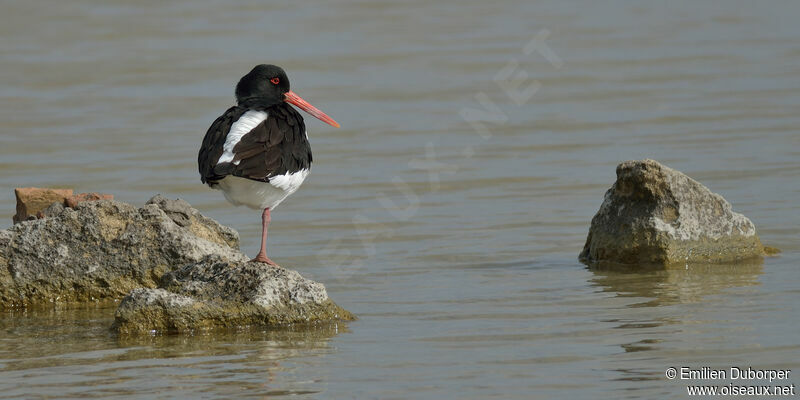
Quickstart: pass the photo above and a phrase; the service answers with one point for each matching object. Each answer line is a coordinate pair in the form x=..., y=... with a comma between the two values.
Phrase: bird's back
x=254, y=143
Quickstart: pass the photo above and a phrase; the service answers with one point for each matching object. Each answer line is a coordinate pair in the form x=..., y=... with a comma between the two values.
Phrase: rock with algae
x=104, y=249
x=220, y=293
x=657, y=215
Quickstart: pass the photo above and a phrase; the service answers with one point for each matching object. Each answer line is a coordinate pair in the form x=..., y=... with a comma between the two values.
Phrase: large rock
x=220, y=293
x=657, y=215
x=104, y=249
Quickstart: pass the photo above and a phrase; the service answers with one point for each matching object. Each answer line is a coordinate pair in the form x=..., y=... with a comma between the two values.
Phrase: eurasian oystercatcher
x=257, y=152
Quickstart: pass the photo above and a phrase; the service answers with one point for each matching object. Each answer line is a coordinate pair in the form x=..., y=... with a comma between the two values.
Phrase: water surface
x=456, y=248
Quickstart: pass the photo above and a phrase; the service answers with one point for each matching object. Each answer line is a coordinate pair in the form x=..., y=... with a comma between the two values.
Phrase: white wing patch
x=241, y=127
x=289, y=182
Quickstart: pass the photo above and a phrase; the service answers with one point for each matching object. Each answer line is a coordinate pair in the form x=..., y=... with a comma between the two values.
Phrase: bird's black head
x=265, y=85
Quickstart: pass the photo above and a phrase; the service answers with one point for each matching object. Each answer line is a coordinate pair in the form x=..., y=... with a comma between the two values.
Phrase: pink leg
x=262, y=254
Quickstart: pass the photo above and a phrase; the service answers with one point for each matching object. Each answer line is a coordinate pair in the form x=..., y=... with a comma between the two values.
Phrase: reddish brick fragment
x=73, y=201
x=30, y=201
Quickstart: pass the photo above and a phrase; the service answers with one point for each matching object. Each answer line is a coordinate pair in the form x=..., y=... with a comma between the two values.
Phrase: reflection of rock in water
x=231, y=363
x=290, y=340
x=665, y=286
x=252, y=354
x=665, y=312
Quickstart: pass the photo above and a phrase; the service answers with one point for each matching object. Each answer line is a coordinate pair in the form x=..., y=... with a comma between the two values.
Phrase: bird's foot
x=262, y=258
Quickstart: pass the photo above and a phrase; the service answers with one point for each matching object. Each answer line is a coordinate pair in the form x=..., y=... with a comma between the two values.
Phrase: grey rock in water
x=220, y=293
x=657, y=215
x=104, y=249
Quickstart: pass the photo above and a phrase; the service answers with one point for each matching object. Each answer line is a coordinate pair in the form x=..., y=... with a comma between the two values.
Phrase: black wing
x=213, y=143
x=276, y=146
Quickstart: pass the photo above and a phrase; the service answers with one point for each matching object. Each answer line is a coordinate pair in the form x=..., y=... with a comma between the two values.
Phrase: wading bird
x=257, y=152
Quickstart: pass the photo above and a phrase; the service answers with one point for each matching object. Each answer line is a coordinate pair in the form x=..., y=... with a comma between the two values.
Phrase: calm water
x=456, y=248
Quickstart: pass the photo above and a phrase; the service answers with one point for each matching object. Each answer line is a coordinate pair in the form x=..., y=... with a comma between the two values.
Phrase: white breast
x=241, y=127
x=261, y=195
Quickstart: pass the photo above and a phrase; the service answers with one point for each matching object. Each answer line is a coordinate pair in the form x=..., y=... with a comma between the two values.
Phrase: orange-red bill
x=292, y=98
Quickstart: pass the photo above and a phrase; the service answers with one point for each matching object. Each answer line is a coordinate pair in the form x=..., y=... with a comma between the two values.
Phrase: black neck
x=258, y=102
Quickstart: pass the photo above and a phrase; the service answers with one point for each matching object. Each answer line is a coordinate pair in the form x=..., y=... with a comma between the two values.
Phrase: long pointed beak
x=293, y=98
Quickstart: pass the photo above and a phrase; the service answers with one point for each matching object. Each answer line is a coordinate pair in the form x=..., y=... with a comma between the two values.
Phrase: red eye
x=275, y=80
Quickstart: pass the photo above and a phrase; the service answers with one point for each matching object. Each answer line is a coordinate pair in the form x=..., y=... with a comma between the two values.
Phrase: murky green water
x=456, y=248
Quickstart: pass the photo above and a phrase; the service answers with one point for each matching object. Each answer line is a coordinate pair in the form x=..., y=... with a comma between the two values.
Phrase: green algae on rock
x=219, y=293
x=657, y=215
x=103, y=250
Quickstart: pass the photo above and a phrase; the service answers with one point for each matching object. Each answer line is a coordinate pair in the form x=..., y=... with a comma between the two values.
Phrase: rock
x=104, y=249
x=52, y=211
x=220, y=293
x=73, y=200
x=32, y=200
x=179, y=210
x=657, y=215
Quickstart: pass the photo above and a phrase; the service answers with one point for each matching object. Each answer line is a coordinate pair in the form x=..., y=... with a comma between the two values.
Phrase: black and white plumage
x=256, y=156
x=257, y=152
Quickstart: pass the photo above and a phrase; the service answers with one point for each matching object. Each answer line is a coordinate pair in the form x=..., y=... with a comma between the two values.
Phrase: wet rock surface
x=220, y=293
x=104, y=249
x=656, y=215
